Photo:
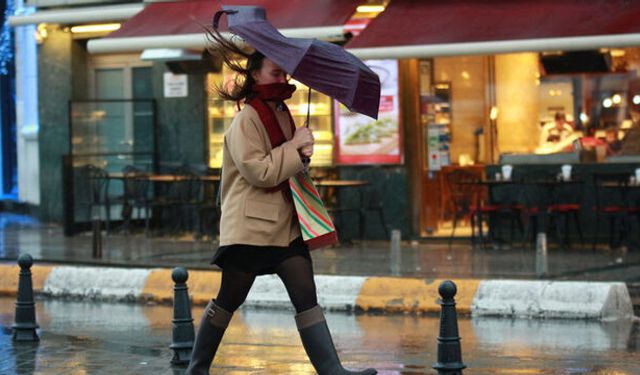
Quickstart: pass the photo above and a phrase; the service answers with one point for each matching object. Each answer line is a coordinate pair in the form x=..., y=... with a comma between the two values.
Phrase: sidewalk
x=364, y=276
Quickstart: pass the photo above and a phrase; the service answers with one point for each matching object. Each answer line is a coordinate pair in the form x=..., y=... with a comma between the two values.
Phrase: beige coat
x=250, y=214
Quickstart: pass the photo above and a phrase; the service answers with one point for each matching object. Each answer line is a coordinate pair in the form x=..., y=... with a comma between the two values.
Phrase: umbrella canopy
x=322, y=66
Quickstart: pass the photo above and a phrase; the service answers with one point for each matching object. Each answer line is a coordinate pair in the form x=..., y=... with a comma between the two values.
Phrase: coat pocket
x=261, y=210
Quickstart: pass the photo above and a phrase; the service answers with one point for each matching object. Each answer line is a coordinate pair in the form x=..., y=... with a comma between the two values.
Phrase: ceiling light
x=617, y=99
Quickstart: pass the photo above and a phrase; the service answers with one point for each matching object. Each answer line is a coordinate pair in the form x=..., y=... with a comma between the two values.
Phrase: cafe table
x=545, y=191
x=153, y=178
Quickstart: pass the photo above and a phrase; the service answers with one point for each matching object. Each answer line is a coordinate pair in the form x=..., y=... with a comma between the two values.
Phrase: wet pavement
x=422, y=259
x=104, y=338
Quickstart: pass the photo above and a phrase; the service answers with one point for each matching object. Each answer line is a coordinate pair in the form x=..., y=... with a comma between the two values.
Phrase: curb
x=522, y=298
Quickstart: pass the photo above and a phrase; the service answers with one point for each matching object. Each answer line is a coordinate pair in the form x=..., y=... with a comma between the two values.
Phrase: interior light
x=618, y=52
x=584, y=118
x=617, y=99
x=494, y=113
x=607, y=103
x=95, y=28
x=41, y=33
x=465, y=75
x=370, y=8
x=636, y=99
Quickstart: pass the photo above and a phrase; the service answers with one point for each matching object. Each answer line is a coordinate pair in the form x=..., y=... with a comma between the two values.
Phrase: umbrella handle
x=216, y=17
x=308, y=107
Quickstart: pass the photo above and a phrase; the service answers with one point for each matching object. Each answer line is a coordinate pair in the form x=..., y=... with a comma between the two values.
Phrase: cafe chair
x=565, y=208
x=505, y=202
x=137, y=195
x=185, y=198
x=611, y=205
x=467, y=200
x=98, y=198
x=373, y=198
x=463, y=195
x=549, y=204
x=208, y=209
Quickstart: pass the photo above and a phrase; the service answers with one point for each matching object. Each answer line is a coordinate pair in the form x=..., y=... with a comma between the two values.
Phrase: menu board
x=363, y=140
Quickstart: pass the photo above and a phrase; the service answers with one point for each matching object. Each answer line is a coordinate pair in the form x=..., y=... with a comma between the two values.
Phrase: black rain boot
x=214, y=322
x=319, y=345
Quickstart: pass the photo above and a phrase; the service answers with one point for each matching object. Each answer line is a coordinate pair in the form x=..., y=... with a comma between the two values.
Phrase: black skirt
x=258, y=260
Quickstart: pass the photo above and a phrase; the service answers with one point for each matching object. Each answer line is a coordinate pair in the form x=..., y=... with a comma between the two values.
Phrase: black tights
x=296, y=273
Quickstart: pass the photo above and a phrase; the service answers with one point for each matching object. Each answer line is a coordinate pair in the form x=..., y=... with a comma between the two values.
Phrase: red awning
x=179, y=24
x=415, y=28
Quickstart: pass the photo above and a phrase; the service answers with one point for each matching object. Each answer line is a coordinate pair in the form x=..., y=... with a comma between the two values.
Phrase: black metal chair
x=137, y=194
x=464, y=196
x=610, y=204
x=98, y=193
x=208, y=210
x=565, y=207
x=372, y=199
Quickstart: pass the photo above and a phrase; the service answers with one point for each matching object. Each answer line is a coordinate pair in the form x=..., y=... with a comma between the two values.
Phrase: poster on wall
x=363, y=140
x=438, y=146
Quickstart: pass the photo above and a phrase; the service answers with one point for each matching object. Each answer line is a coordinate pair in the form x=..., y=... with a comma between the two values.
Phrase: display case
x=221, y=113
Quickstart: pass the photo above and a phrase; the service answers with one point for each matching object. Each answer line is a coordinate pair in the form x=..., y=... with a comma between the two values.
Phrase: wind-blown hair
x=229, y=51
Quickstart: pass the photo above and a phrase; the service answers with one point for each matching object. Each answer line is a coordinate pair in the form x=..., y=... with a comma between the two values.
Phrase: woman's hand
x=302, y=138
x=307, y=151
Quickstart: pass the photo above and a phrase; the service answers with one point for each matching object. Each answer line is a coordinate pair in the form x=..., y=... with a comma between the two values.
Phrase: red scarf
x=258, y=100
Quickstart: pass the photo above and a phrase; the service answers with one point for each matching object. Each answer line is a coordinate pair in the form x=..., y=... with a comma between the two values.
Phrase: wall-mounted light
x=636, y=99
x=618, y=52
x=370, y=8
x=493, y=114
x=41, y=33
x=607, y=103
x=97, y=28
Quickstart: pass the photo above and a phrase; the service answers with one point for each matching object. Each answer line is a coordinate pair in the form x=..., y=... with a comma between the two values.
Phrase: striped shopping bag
x=315, y=223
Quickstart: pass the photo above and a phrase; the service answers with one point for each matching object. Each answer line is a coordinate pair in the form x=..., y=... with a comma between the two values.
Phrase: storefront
x=460, y=91
x=480, y=83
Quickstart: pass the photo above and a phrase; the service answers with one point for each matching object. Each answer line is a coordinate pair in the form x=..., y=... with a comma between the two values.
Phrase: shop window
x=221, y=113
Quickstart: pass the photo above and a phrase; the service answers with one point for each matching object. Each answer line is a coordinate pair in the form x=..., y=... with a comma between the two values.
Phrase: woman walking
x=259, y=230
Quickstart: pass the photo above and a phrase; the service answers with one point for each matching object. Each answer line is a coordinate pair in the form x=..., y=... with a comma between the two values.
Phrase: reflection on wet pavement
x=426, y=259
x=103, y=338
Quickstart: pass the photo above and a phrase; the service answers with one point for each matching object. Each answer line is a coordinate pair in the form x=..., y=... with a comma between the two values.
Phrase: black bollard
x=449, y=353
x=183, y=334
x=24, y=328
x=97, y=237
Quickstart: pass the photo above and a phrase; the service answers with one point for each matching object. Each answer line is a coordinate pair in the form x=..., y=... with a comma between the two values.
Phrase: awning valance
x=180, y=24
x=78, y=15
x=414, y=28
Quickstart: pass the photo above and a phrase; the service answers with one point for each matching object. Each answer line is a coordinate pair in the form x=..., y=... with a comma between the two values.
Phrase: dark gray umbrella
x=322, y=66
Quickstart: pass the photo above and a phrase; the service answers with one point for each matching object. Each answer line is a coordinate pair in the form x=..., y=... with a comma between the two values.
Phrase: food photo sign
x=363, y=140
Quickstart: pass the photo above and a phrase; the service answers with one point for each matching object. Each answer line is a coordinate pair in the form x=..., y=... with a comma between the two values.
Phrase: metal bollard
x=183, y=333
x=542, y=266
x=395, y=256
x=24, y=328
x=97, y=237
x=449, y=353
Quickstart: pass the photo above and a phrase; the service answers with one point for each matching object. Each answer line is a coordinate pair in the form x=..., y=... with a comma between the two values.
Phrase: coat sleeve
x=260, y=166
